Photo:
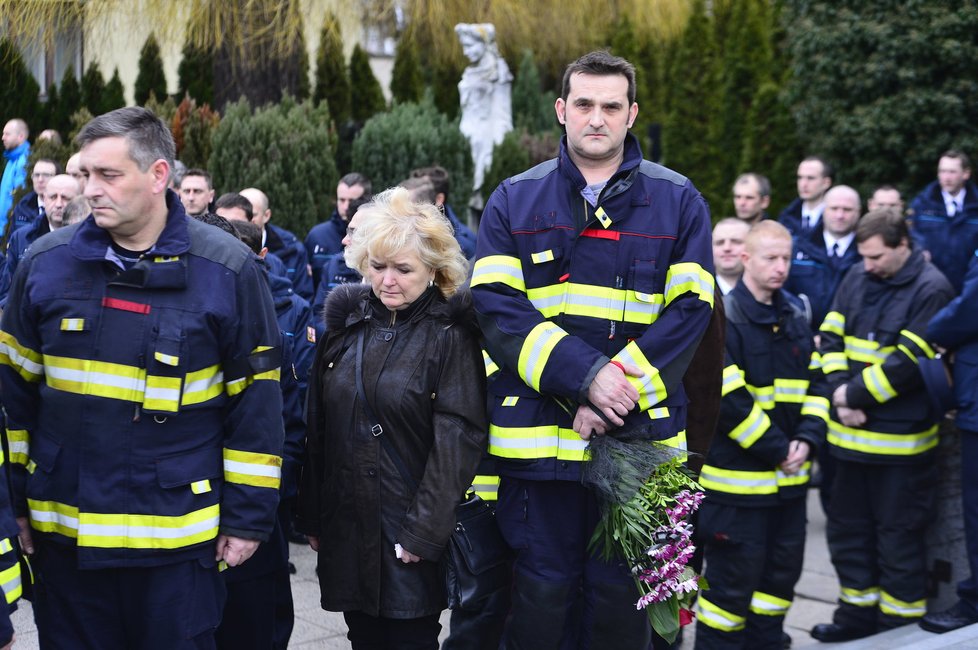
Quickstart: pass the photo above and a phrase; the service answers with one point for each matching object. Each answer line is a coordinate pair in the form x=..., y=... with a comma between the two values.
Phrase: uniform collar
x=631, y=159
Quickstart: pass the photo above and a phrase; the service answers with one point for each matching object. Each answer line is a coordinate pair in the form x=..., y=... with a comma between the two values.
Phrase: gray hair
x=149, y=139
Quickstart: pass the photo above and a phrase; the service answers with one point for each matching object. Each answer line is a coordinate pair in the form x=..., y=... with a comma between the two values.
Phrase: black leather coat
x=424, y=378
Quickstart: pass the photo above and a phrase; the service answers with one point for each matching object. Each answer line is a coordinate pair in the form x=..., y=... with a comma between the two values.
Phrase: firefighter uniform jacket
x=144, y=409
x=561, y=285
x=773, y=393
x=871, y=340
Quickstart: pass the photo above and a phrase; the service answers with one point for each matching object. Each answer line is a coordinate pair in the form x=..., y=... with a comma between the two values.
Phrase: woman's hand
x=313, y=542
x=404, y=555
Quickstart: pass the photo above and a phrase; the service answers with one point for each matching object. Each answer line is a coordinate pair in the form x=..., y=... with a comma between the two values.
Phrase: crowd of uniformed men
x=592, y=281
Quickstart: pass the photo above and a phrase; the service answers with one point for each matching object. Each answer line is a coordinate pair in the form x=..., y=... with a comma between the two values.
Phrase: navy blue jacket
x=323, y=242
x=956, y=328
x=463, y=234
x=20, y=240
x=335, y=274
x=950, y=240
x=813, y=274
x=25, y=212
x=790, y=217
x=290, y=250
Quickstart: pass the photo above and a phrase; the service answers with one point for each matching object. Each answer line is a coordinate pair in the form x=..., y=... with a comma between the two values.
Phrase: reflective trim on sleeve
x=834, y=323
x=536, y=350
x=752, y=427
x=10, y=582
x=884, y=444
x=19, y=441
x=718, y=618
x=491, y=367
x=866, y=351
x=53, y=517
x=925, y=349
x=768, y=605
x=834, y=362
x=549, y=441
x=801, y=478
x=733, y=378
x=26, y=362
x=486, y=486
x=203, y=385
x=816, y=361
x=738, y=481
x=689, y=277
x=816, y=406
x=499, y=268
x=651, y=389
x=252, y=468
x=235, y=386
x=878, y=384
x=860, y=597
x=905, y=609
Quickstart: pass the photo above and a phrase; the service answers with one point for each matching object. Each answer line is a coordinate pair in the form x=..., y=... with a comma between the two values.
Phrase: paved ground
x=813, y=604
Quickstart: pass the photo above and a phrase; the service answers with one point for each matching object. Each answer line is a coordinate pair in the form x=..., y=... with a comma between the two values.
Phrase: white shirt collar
x=843, y=242
x=725, y=288
x=958, y=199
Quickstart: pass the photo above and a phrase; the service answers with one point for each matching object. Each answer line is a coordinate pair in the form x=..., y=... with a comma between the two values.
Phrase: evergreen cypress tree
x=686, y=134
x=771, y=145
x=151, y=77
x=49, y=111
x=18, y=91
x=195, y=74
x=332, y=80
x=407, y=84
x=302, y=87
x=115, y=95
x=69, y=101
x=92, y=89
x=443, y=81
x=366, y=95
x=626, y=43
x=533, y=111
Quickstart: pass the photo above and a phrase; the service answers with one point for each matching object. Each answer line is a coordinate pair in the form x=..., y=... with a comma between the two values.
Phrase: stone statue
x=485, y=95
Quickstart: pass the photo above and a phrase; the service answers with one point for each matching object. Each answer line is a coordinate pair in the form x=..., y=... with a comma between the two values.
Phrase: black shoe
x=785, y=640
x=834, y=633
x=950, y=619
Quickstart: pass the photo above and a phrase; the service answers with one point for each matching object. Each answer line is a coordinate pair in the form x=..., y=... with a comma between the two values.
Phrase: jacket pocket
x=199, y=470
x=166, y=366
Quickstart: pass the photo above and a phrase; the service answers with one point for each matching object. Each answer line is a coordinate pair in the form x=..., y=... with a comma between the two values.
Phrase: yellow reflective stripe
x=678, y=441
x=910, y=355
x=817, y=406
x=834, y=323
x=866, y=351
x=486, y=486
x=162, y=393
x=751, y=428
x=491, y=367
x=801, y=478
x=53, y=517
x=718, y=618
x=650, y=387
x=5, y=546
x=733, y=378
x=603, y=217
x=738, y=481
x=203, y=385
x=768, y=605
x=658, y=412
x=887, y=444
x=252, y=468
x=878, y=384
x=542, y=256
x=548, y=441
x=168, y=359
x=834, y=362
x=511, y=400
x=72, y=324
x=161, y=258
x=201, y=487
x=19, y=441
x=499, y=268
x=95, y=378
x=26, y=362
x=237, y=385
x=148, y=531
x=10, y=582
x=920, y=343
x=689, y=277
x=535, y=353
x=816, y=361
x=897, y=607
x=593, y=301
x=860, y=597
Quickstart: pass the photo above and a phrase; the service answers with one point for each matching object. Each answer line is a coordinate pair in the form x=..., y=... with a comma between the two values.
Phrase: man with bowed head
x=140, y=365
x=584, y=228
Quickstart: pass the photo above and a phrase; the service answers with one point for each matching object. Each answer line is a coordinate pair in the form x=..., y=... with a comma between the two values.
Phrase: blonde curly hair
x=392, y=224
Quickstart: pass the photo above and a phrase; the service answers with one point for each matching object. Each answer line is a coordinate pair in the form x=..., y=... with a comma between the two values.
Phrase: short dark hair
x=827, y=169
x=355, y=205
x=58, y=169
x=217, y=221
x=888, y=223
x=248, y=233
x=421, y=188
x=763, y=184
x=438, y=176
x=235, y=200
x=603, y=64
x=960, y=155
x=149, y=139
x=356, y=178
x=197, y=171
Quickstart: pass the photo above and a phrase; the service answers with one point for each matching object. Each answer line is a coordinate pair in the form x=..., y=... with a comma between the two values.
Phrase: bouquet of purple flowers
x=647, y=498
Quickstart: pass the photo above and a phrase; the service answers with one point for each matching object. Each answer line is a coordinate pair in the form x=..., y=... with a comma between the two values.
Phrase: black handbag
x=477, y=560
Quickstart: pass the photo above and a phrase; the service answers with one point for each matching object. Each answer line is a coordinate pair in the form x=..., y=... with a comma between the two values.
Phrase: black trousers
x=141, y=608
x=481, y=626
x=380, y=633
x=875, y=531
x=753, y=561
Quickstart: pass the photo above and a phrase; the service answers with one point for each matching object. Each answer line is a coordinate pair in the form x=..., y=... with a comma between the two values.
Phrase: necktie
x=804, y=221
x=952, y=208
x=835, y=250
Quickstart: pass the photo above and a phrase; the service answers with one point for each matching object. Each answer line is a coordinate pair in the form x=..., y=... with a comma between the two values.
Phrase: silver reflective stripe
x=150, y=532
x=252, y=469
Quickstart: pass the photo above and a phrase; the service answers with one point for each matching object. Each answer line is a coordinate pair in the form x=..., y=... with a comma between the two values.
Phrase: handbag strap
x=375, y=426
